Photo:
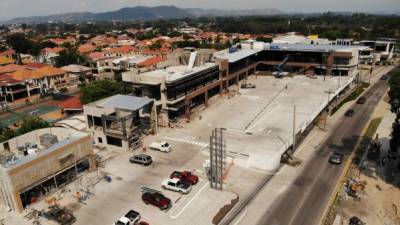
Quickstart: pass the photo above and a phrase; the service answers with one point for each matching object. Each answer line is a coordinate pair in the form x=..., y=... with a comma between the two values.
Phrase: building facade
x=40, y=162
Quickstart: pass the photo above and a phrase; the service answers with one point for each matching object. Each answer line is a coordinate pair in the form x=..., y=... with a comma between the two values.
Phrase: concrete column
x=329, y=63
x=187, y=109
x=28, y=90
x=206, y=98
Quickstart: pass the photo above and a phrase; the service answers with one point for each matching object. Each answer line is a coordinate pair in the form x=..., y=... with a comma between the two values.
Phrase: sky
x=19, y=8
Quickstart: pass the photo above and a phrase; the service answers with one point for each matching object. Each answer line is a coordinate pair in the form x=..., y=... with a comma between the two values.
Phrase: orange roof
x=7, y=79
x=22, y=75
x=151, y=61
x=35, y=65
x=47, y=72
x=155, y=52
x=123, y=49
x=73, y=103
x=87, y=48
x=53, y=50
x=8, y=52
x=5, y=60
x=11, y=68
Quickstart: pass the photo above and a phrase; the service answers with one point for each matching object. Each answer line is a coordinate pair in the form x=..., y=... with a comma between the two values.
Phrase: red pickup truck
x=186, y=177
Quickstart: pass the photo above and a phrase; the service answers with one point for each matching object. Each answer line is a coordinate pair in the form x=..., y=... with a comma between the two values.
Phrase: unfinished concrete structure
x=383, y=49
x=181, y=75
x=38, y=163
x=119, y=121
x=190, y=81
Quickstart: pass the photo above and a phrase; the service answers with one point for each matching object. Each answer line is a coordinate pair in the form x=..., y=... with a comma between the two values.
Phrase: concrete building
x=78, y=73
x=383, y=50
x=179, y=88
x=118, y=122
x=177, y=78
x=40, y=162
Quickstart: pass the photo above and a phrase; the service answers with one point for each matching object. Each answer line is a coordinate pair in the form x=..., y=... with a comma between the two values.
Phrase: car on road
x=185, y=176
x=361, y=100
x=161, y=146
x=336, y=158
x=131, y=218
x=177, y=185
x=384, y=77
x=156, y=199
x=349, y=113
x=142, y=159
x=247, y=86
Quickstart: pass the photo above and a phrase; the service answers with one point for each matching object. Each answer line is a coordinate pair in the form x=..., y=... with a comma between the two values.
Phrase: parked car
x=131, y=218
x=161, y=146
x=355, y=221
x=177, y=185
x=349, y=113
x=142, y=159
x=247, y=85
x=60, y=215
x=156, y=199
x=361, y=100
x=384, y=77
x=336, y=158
x=185, y=176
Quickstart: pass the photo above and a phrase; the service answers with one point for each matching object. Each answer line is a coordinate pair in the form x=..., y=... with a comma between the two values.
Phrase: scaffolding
x=217, y=158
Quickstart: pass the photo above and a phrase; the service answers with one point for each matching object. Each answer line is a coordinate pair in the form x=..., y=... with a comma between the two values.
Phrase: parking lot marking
x=198, y=143
x=190, y=201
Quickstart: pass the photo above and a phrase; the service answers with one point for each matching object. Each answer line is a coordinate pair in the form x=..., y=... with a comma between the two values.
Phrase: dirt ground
x=379, y=203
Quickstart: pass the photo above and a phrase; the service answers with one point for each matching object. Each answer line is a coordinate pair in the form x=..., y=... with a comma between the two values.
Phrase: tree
x=394, y=94
x=7, y=134
x=30, y=124
x=20, y=44
x=69, y=56
x=156, y=45
x=100, y=89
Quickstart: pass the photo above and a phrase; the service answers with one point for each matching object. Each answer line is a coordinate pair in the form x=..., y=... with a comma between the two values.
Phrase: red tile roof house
x=11, y=89
x=7, y=53
x=22, y=82
x=99, y=62
x=49, y=55
x=151, y=63
x=71, y=106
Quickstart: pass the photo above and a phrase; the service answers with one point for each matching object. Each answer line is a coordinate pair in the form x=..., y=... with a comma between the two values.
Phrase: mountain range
x=140, y=13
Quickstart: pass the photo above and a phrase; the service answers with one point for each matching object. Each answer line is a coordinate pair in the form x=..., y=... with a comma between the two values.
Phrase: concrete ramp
x=192, y=60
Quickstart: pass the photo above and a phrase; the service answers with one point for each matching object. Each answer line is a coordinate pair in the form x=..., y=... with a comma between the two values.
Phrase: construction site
x=234, y=118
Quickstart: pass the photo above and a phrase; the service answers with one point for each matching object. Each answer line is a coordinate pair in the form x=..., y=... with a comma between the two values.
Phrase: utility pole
x=327, y=108
x=294, y=127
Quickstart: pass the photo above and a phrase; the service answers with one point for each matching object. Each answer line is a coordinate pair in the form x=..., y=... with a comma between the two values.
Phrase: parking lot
x=259, y=126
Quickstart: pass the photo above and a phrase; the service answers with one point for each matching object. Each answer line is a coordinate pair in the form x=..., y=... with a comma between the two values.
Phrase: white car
x=177, y=185
x=131, y=218
x=161, y=146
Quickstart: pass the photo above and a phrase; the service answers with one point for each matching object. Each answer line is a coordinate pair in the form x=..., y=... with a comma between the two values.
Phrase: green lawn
x=353, y=96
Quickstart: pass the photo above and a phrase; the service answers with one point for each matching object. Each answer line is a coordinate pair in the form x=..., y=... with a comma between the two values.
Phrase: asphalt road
x=304, y=201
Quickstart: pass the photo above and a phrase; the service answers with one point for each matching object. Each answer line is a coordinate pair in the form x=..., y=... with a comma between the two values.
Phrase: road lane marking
x=188, y=203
